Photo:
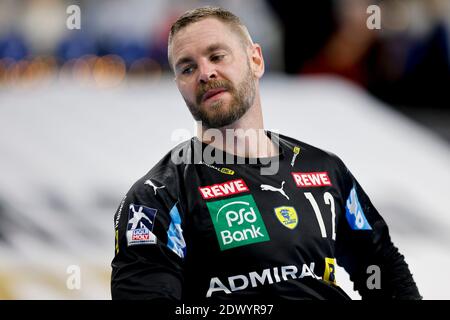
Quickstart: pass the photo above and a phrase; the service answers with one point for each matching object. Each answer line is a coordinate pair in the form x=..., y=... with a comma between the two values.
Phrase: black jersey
x=191, y=230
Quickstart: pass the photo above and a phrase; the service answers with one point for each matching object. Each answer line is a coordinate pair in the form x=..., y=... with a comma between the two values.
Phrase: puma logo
x=266, y=187
x=151, y=184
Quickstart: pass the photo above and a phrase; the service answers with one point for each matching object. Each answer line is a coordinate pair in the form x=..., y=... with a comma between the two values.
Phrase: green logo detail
x=237, y=222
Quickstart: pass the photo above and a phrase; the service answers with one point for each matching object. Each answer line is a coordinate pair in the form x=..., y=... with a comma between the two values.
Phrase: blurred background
x=86, y=112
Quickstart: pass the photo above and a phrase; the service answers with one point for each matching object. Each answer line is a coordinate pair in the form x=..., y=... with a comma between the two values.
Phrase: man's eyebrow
x=216, y=46
x=183, y=61
x=211, y=48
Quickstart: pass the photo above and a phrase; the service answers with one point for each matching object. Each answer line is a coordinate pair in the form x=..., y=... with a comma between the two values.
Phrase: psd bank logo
x=140, y=225
x=237, y=222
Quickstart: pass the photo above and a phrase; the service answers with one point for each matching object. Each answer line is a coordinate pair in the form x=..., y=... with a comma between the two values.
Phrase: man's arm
x=150, y=247
x=363, y=240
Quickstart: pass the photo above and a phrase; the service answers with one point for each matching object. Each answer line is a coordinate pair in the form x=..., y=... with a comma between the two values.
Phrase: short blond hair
x=201, y=13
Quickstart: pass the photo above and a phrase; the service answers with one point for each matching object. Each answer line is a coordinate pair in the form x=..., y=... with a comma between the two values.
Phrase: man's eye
x=217, y=57
x=187, y=70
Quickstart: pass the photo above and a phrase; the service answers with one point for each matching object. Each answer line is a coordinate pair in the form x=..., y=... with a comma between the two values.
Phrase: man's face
x=213, y=72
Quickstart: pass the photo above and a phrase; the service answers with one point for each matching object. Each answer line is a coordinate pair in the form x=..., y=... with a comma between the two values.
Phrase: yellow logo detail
x=296, y=150
x=117, y=241
x=287, y=216
x=329, y=274
x=227, y=171
x=221, y=170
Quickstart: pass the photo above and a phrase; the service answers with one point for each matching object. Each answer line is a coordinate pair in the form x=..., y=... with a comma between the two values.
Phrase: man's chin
x=216, y=109
x=217, y=121
x=216, y=125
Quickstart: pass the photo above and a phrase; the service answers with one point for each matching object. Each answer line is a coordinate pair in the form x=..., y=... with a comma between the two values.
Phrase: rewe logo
x=311, y=179
x=224, y=189
x=237, y=222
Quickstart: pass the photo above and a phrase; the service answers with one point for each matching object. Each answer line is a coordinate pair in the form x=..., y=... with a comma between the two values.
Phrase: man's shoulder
x=317, y=159
x=307, y=148
x=167, y=170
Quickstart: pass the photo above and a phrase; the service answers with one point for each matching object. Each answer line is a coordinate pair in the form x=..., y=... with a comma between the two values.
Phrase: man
x=271, y=222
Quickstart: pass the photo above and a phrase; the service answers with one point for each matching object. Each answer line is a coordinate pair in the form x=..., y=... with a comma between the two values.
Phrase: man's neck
x=245, y=137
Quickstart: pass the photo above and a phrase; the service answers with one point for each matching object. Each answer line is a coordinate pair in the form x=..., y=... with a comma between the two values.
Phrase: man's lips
x=212, y=92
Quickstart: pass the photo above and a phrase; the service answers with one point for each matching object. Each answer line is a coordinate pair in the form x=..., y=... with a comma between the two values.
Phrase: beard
x=217, y=115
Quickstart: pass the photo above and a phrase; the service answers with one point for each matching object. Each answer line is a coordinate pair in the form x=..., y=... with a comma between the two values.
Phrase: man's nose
x=207, y=72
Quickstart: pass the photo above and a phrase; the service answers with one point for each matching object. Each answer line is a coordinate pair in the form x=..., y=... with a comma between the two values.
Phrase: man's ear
x=257, y=60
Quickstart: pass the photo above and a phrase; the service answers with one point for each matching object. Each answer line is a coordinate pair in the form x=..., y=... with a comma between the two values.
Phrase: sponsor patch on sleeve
x=355, y=214
x=140, y=225
x=175, y=237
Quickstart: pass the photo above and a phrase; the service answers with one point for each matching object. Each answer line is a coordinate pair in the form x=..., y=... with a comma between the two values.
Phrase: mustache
x=213, y=84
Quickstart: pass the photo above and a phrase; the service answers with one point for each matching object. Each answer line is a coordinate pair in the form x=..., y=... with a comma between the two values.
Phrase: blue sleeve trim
x=175, y=234
x=354, y=213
